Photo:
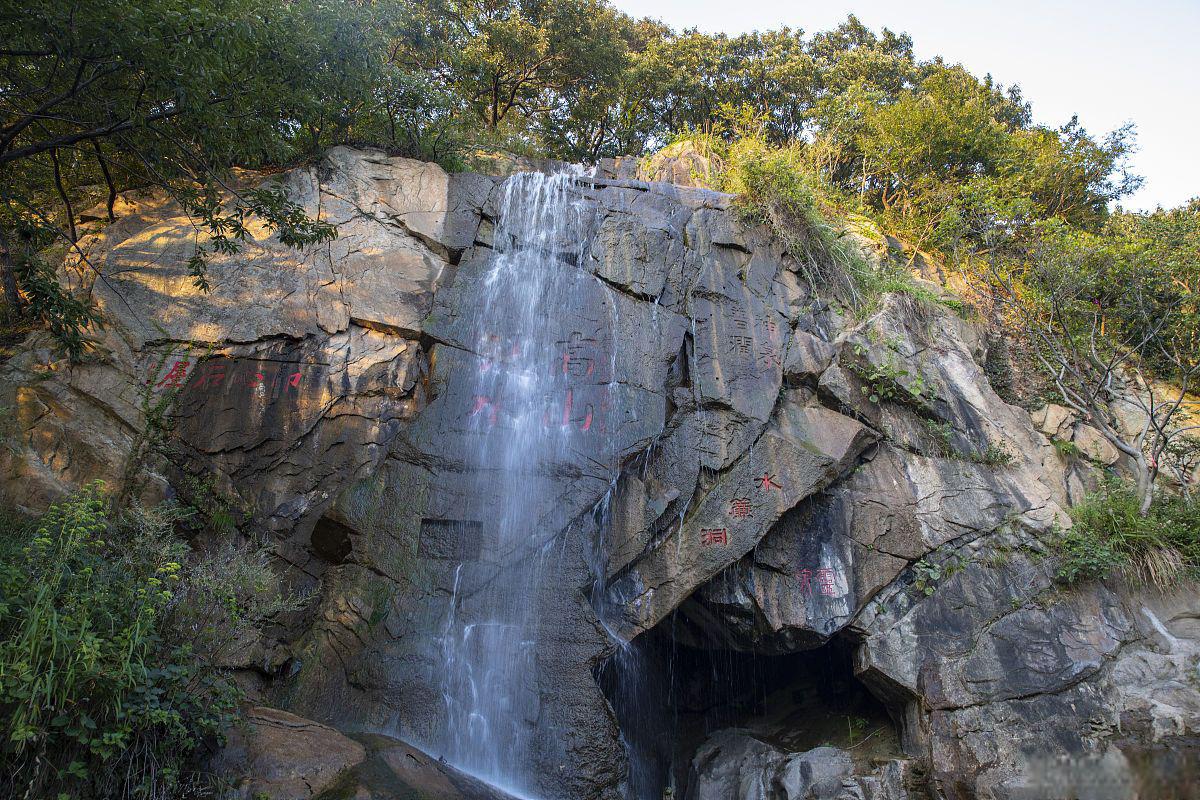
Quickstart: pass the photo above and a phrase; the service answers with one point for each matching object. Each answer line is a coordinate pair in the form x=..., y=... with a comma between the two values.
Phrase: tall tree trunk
x=8, y=267
x=494, y=118
x=1144, y=484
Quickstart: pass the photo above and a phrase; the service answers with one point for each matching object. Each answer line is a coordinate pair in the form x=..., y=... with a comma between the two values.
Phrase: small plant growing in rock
x=927, y=576
x=995, y=455
x=855, y=725
x=1110, y=534
x=1066, y=449
x=941, y=432
x=884, y=381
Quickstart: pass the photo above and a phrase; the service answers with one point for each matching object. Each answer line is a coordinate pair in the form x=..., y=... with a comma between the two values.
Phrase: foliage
x=941, y=434
x=162, y=94
x=776, y=189
x=112, y=636
x=175, y=95
x=994, y=455
x=1066, y=449
x=1111, y=534
x=1112, y=316
x=926, y=576
x=887, y=380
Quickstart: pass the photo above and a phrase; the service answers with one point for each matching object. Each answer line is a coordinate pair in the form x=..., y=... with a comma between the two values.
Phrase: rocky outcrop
x=754, y=471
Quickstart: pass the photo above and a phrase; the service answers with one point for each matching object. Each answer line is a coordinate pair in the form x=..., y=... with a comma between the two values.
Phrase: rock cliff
x=781, y=519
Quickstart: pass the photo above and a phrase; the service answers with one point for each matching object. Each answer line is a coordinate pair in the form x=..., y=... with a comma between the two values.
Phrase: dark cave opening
x=668, y=699
x=330, y=541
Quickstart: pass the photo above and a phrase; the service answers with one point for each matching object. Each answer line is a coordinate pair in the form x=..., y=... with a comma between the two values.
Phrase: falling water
x=532, y=403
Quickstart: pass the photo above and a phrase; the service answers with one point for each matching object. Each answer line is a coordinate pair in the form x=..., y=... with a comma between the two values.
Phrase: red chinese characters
x=739, y=508
x=211, y=376
x=804, y=576
x=767, y=482
x=175, y=377
x=220, y=373
x=575, y=397
x=497, y=352
x=710, y=536
x=487, y=407
x=826, y=581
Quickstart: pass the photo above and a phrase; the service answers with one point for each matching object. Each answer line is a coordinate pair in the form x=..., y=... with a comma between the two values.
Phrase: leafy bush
x=994, y=455
x=1109, y=535
x=887, y=380
x=111, y=640
x=780, y=187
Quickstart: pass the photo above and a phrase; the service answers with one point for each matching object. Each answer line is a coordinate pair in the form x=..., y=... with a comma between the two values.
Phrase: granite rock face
x=756, y=472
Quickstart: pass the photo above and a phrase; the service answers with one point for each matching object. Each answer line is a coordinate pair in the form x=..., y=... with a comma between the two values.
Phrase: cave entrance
x=670, y=698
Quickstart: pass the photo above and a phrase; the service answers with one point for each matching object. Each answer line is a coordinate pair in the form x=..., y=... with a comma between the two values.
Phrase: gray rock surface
x=759, y=469
x=733, y=764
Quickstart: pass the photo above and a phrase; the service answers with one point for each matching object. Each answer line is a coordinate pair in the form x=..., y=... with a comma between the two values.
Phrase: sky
x=1109, y=62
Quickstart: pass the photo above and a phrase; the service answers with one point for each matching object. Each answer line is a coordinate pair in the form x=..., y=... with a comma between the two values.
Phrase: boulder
x=682, y=163
x=732, y=763
x=1093, y=445
x=280, y=756
x=394, y=770
x=1054, y=420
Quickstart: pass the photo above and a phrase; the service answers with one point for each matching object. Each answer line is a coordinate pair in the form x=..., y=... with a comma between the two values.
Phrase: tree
x=1113, y=328
x=522, y=55
x=153, y=93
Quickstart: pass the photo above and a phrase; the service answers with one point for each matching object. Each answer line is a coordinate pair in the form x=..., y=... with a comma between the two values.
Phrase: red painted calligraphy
x=825, y=581
x=767, y=482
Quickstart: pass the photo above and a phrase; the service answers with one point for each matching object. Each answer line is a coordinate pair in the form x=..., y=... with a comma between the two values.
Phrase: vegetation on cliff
x=113, y=637
x=112, y=630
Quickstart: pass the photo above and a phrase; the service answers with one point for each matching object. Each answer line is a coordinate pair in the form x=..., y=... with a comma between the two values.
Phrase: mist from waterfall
x=534, y=397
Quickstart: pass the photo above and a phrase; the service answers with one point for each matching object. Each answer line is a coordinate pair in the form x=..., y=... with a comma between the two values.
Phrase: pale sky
x=1109, y=62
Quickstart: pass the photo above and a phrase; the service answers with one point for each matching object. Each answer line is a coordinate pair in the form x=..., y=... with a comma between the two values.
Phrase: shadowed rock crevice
x=708, y=723
x=331, y=541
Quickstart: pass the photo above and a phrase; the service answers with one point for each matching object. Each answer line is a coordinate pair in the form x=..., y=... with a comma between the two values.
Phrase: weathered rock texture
x=280, y=756
x=763, y=473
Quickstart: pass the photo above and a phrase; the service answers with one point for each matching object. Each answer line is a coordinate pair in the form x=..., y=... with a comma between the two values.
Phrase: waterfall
x=535, y=395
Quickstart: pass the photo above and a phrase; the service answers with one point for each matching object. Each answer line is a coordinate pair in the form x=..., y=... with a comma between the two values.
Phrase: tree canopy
x=95, y=100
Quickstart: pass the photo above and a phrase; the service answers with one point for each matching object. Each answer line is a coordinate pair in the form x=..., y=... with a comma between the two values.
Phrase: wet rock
x=394, y=770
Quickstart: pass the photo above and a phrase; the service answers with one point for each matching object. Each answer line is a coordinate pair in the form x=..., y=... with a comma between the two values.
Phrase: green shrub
x=1066, y=449
x=111, y=636
x=1109, y=535
x=887, y=380
x=994, y=455
x=776, y=188
x=779, y=187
